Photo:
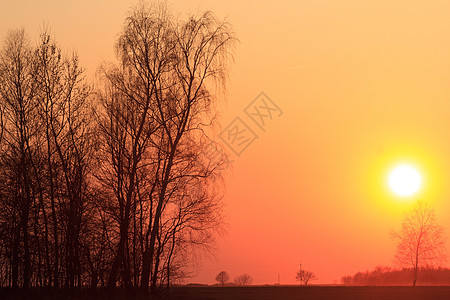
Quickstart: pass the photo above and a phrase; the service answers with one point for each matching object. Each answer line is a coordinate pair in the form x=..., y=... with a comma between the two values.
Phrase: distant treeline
x=390, y=276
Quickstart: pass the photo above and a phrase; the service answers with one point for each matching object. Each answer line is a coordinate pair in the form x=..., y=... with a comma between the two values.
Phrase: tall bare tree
x=420, y=240
x=157, y=107
x=200, y=48
x=17, y=92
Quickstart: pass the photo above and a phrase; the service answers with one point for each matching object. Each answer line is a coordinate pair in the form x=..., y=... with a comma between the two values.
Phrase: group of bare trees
x=243, y=280
x=46, y=151
x=110, y=186
x=399, y=276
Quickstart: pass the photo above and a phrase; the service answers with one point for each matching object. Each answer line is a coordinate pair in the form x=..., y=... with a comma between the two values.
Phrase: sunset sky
x=363, y=86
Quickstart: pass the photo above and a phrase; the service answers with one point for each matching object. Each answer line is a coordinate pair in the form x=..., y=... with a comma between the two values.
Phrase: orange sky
x=363, y=85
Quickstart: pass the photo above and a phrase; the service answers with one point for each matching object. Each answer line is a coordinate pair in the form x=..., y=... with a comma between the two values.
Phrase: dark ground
x=248, y=293
x=315, y=293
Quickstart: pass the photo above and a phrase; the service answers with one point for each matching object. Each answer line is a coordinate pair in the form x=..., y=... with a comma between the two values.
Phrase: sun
x=405, y=180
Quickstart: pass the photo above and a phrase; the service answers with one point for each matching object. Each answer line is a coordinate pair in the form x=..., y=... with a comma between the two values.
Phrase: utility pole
x=300, y=273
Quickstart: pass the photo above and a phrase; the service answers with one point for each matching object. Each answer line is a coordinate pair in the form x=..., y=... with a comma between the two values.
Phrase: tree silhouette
x=222, y=277
x=112, y=186
x=45, y=159
x=243, y=279
x=420, y=240
x=304, y=276
x=18, y=100
x=156, y=110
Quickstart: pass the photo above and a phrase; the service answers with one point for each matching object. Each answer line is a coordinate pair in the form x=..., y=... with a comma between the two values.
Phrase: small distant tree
x=243, y=279
x=222, y=278
x=420, y=241
x=304, y=276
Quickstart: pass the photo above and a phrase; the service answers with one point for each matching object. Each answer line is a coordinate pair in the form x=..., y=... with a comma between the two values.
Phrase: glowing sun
x=404, y=180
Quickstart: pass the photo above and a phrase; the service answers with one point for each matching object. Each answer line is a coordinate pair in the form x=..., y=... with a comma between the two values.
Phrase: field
x=250, y=293
x=313, y=292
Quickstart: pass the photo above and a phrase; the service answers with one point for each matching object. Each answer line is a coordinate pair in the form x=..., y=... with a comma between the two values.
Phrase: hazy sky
x=363, y=85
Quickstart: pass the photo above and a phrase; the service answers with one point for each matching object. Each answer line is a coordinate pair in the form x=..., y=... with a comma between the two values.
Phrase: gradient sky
x=364, y=85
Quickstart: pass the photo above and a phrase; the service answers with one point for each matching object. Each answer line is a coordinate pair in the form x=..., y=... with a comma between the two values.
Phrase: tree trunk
x=26, y=245
x=15, y=260
x=416, y=266
x=116, y=265
x=119, y=261
x=148, y=260
x=155, y=273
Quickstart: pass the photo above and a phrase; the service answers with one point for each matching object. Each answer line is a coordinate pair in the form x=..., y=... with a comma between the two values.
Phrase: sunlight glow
x=405, y=180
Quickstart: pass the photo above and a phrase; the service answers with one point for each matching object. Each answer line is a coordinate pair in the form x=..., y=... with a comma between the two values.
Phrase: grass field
x=249, y=293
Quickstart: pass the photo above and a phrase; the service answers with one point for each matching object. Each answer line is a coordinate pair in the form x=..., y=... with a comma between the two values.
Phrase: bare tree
x=66, y=118
x=17, y=93
x=157, y=108
x=200, y=48
x=304, y=276
x=222, y=277
x=243, y=279
x=420, y=240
